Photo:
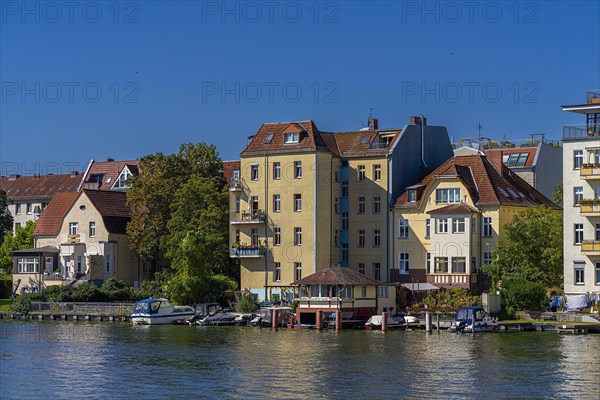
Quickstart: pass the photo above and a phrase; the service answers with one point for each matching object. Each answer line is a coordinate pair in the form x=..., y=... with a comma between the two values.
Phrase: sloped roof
x=52, y=218
x=110, y=171
x=112, y=207
x=229, y=167
x=337, y=276
x=45, y=249
x=486, y=185
x=460, y=208
x=362, y=143
x=43, y=187
x=531, y=152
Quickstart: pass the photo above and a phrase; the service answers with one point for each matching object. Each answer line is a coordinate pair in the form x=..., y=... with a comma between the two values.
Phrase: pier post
x=437, y=321
x=319, y=319
x=384, y=321
x=338, y=320
x=275, y=319
x=427, y=321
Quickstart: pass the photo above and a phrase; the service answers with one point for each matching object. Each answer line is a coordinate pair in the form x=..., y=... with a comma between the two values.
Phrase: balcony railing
x=54, y=276
x=378, y=145
x=247, y=251
x=236, y=184
x=592, y=97
x=590, y=207
x=247, y=217
x=589, y=171
x=584, y=131
x=590, y=246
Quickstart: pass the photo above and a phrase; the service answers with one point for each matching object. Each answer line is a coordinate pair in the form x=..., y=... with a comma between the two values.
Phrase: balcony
x=242, y=251
x=248, y=217
x=236, y=185
x=590, y=171
x=581, y=132
x=589, y=208
x=591, y=247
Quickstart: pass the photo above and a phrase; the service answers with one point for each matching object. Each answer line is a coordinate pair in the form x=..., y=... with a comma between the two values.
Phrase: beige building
x=87, y=231
x=581, y=199
x=307, y=200
x=447, y=223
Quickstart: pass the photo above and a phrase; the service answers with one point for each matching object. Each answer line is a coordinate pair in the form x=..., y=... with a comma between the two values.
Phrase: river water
x=65, y=360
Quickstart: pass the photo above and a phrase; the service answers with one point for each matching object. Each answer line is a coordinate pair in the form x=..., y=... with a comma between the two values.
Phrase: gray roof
x=45, y=249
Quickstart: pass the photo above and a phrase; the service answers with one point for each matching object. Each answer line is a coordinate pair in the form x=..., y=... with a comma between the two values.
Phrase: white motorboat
x=159, y=312
x=473, y=319
x=374, y=323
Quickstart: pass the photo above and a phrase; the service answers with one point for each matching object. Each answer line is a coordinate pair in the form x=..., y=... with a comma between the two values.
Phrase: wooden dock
x=578, y=328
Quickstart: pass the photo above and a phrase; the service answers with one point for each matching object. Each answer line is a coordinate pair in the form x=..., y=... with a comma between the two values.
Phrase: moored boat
x=374, y=323
x=159, y=312
x=472, y=320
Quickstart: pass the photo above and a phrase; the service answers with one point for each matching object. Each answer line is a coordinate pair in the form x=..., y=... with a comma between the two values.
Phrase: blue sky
x=126, y=79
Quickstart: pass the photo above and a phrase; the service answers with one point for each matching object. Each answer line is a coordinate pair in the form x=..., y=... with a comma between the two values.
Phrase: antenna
x=479, y=128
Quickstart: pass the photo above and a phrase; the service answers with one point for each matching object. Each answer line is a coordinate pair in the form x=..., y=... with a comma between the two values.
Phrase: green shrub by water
x=246, y=305
x=521, y=294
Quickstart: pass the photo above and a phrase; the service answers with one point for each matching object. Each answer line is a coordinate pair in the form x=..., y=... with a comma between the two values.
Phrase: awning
x=419, y=287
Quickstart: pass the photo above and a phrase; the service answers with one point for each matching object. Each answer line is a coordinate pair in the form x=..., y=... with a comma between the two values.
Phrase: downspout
x=389, y=210
x=315, y=166
x=423, y=142
x=266, y=222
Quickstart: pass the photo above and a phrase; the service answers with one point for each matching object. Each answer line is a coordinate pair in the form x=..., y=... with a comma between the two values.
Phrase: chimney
x=373, y=124
x=110, y=159
x=74, y=174
x=495, y=158
x=414, y=120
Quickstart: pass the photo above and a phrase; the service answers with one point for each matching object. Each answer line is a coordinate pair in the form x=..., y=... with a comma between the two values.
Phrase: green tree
x=531, y=249
x=21, y=240
x=557, y=194
x=6, y=220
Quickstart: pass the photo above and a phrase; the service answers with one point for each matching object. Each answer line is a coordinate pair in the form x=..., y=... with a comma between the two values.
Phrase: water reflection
x=76, y=359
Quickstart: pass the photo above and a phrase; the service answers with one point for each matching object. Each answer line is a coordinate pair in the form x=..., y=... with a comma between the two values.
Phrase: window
x=428, y=227
x=277, y=170
x=579, y=269
x=578, y=233
x=123, y=178
x=516, y=160
x=254, y=203
x=577, y=195
x=377, y=172
x=597, y=231
x=276, y=236
x=594, y=156
x=297, y=236
x=487, y=258
x=18, y=208
x=447, y=196
x=237, y=236
x=403, y=263
x=361, y=238
x=107, y=263
x=383, y=291
x=337, y=205
x=458, y=225
x=377, y=271
x=79, y=264
x=459, y=265
x=598, y=273
x=361, y=205
x=269, y=137
x=344, y=188
x=92, y=229
x=344, y=252
x=412, y=195
x=428, y=264
x=291, y=137
x=254, y=236
x=577, y=159
x=441, y=264
x=276, y=203
x=254, y=172
x=237, y=204
x=363, y=292
x=73, y=228
x=297, y=202
x=376, y=237
x=297, y=169
x=344, y=221
x=487, y=226
x=298, y=270
x=402, y=228
x=361, y=173
x=277, y=272
x=28, y=265
x=473, y=225
x=336, y=239
x=29, y=208
x=376, y=205
x=473, y=264
x=336, y=174
x=442, y=225
x=361, y=268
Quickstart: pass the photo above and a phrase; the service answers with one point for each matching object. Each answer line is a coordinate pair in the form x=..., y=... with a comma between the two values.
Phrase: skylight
x=515, y=160
x=269, y=138
x=366, y=139
x=503, y=192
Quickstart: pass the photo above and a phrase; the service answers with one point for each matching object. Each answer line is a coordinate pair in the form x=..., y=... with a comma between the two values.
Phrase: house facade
x=447, y=224
x=581, y=198
x=307, y=200
x=87, y=231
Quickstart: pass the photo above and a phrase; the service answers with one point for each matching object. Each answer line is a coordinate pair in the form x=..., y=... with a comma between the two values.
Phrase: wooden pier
x=578, y=328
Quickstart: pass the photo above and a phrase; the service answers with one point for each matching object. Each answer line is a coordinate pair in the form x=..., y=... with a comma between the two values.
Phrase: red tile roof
x=110, y=171
x=337, y=276
x=113, y=208
x=43, y=187
x=485, y=184
x=460, y=208
x=229, y=167
x=52, y=218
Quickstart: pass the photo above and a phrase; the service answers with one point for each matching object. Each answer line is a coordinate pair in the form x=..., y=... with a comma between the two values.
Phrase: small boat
x=374, y=323
x=219, y=319
x=264, y=316
x=301, y=326
x=159, y=312
x=473, y=319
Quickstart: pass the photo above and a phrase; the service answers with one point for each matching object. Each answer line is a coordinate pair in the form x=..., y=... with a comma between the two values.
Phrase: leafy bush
x=154, y=288
x=22, y=304
x=449, y=299
x=116, y=290
x=57, y=293
x=521, y=294
x=246, y=305
x=185, y=289
x=87, y=292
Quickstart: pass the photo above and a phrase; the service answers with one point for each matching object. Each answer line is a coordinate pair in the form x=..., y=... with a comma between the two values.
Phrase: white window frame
x=577, y=159
x=403, y=228
x=297, y=202
x=29, y=209
x=376, y=237
x=447, y=196
x=361, y=268
x=377, y=172
x=487, y=227
x=361, y=205
x=577, y=195
x=361, y=174
x=376, y=205
x=578, y=233
x=456, y=261
x=579, y=273
x=28, y=265
x=276, y=170
x=297, y=236
x=377, y=271
x=291, y=137
x=276, y=236
x=345, y=252
x=441, y=225
x=254, y=172
x=18, y=208
x=92, y=228
x=73, y=228
x=458, y=225
x=404, y=263
x=277, y=272
x=361, y=238
x=297, y=169
x=298, y=270
x=428, y=227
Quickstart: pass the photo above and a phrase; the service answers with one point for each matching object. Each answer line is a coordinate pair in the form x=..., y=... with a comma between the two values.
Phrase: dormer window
x=291, y=137
x=121, y=182
x=447, y=196
x=412, y=195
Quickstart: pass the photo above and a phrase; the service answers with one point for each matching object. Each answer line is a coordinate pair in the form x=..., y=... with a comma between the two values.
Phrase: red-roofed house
x=447, y=223
x=109, y=175
x=87, y=230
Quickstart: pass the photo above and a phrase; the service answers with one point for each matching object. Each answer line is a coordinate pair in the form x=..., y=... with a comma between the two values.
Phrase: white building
x=581, y=198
